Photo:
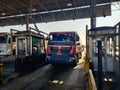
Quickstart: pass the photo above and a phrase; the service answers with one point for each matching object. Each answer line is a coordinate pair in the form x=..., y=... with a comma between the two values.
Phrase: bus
x=5, y=47
x=64, y=47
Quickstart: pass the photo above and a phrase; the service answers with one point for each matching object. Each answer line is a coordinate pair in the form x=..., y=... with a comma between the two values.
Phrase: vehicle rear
x=63, y=47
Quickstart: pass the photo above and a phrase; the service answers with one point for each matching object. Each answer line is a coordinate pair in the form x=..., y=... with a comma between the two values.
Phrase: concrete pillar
x=93, y=13
x=100, y=84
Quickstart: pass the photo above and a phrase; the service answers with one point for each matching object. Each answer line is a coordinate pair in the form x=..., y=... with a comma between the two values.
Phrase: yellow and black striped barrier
x=91, y=81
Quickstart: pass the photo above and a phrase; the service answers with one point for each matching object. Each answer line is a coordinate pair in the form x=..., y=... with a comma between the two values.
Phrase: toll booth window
x=94, y=48
x=42, y=46
x=38, y=46
x=21, y=47
x=34, y=45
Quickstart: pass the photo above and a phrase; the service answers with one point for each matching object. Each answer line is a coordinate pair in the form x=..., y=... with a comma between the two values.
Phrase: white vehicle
x=5, y=48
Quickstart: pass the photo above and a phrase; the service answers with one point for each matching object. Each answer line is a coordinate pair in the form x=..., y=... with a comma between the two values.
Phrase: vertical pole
x=114, y=50
x=28, y=16
x=87, y=51
x=93, y=13
x=11, y=42
x=87, y=61
x=119, y=49
x=27, y=27
x=100, y=84
x=27, y=23
x=109, y=45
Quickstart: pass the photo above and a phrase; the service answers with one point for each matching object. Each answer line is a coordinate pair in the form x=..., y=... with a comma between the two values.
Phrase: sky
x=77, y=25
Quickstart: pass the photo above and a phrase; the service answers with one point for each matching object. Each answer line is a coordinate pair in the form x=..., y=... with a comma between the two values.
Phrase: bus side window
x=77, y=38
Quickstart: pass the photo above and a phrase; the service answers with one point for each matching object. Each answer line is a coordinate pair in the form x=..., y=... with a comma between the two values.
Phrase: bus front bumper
x=67, y=59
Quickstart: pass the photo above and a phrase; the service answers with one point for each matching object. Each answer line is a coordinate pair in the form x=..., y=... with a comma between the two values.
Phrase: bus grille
x=62, y=50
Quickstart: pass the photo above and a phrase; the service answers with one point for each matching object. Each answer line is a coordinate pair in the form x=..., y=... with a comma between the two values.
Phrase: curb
x=7, y=79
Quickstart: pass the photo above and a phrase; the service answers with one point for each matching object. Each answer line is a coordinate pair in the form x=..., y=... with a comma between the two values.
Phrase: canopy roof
x=14, y=12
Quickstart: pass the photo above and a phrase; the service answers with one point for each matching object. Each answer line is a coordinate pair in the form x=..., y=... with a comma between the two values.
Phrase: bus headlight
x=72, y=58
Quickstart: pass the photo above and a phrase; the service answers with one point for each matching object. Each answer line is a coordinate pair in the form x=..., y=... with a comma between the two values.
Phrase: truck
x=5, y=44
x=64, y=47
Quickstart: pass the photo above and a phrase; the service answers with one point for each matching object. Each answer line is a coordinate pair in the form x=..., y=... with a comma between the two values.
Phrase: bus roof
x=63, y=32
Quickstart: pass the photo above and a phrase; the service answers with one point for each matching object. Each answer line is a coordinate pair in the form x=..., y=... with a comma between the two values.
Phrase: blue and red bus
x=64, y=47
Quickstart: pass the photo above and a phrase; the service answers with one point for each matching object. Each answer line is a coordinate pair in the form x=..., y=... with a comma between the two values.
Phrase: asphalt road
x=49, y=77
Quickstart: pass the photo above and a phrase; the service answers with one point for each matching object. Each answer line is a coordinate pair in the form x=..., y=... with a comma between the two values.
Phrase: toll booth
x=108, y=73
x=30, y=49
x=106, y=35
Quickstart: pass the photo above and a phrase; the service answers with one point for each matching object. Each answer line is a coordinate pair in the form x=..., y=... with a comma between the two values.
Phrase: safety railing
x=91, y=81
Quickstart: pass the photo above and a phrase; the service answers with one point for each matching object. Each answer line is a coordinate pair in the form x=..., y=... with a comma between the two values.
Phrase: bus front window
x=62, y=37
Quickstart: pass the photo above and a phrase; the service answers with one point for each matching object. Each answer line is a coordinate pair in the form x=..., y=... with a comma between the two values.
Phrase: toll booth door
x=21, y=47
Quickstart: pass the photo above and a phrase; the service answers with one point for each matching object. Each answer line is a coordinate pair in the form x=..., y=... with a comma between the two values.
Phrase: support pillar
x=119, y=49
x=93, y=13
x=100, y=74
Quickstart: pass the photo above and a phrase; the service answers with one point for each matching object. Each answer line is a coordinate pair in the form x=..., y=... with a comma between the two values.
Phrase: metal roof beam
x=8, y=6
x=44, y=8
x=75, y=8
x=60, y=8
x=24, y=5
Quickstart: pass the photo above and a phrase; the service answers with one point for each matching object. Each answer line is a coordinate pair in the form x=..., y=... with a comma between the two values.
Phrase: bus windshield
x=3, y=38
x=65, y=39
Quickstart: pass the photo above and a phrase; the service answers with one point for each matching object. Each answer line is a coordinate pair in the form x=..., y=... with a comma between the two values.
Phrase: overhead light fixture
x=34, y=9
x=69, y=4
x=3, y=14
